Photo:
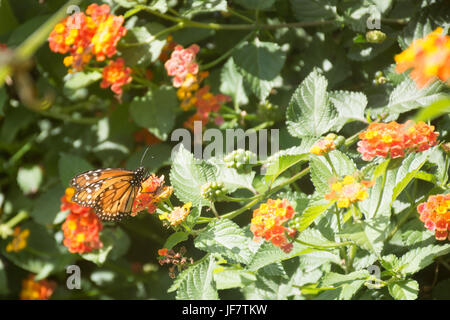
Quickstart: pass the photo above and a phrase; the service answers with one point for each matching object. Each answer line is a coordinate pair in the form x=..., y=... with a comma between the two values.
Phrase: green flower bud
x=375, y=36
x=213, y=191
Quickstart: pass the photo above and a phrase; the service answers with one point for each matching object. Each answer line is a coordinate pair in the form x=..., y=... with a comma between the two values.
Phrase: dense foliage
x=350, y=99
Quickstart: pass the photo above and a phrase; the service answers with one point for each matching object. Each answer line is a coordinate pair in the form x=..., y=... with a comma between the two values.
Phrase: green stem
x=327, y=157
x=326, y=246
x=22, y=215
x=226, y=54
x=383, y=182
x=156, y=36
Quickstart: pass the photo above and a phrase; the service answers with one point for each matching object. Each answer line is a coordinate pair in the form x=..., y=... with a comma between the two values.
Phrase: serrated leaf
x=310, y=112
x=404, y=289
x=268, y=253
x=349, y=105
x=347, y=284
x=224, y=237
x=175, y=238
x=321, y=171
x=147, y=111
x=281, y=161
x=198, y=282
x=407, y=96
x=419, y=258
x=227, y=279
x=368, y=234
x=312, y=212
x=232, y=83
x=434, y=110
x=188, y=175
x=275, y=269
x=231, y=178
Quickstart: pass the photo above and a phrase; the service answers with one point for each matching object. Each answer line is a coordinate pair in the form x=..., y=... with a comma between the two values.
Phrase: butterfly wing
x=110, y=192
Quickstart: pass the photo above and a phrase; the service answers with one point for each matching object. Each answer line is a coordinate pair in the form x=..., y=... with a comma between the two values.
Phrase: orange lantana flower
x=394, y=140
x=152, y=192
x=19, y=242
x=324, y=145
x=348, y=190
x=116, y=75
x=82, y=226
x=435, y=213
x=36, y=290
x=429, y=58
x=268, y=220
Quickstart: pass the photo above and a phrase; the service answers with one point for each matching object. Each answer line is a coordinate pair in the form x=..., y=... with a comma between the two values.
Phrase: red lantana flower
x=394, y=140
x=152, y=191
x=82, y=226
x=435, y=213
x=116, y=75
x=268, y=220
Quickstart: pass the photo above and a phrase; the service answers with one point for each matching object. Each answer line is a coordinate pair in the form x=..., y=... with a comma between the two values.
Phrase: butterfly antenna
x=143, y=156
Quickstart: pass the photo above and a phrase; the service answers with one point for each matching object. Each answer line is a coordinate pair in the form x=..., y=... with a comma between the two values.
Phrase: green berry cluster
x=213, y=191
x=241, y=160
x=294, y=223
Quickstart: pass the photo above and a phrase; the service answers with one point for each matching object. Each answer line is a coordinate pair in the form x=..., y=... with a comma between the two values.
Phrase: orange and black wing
x=110, y=192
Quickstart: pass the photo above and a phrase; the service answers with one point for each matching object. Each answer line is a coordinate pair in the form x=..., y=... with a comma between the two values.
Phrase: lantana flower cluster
x=19, y=241
x=92, y=34
x=185, y=70
x=177, y=215
x=324, y=145
x=394, y=140
x=348, y=190
x=429, y=58
x=152, y=192
x=36, y=290
x=435, y=213
x=176, y=259
x=268, y=220
x=82, y=226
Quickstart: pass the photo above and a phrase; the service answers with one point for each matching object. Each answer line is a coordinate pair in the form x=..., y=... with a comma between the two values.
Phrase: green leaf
x=148, y=112
x=232, y=83
x=312, y=212
x=401, y=185
x=396, y=172
x=407, y=96
x=231, y=278
x=47, y=206
x=175, y=238
x=260, y=63
x=419, y=258
x=150, y=49
x=434, y=110
x=29, y=179
x=224, y=237
x=231, y=178
x=15, y=120
x=198, y=282
x=309, y=10
x=321, y=171
x=310, y=112
x=404, y=289
x=78, y=80
x=188, y=175
x=347, y=284
x=255, y=4
x=368, y=234
x=3, y=98
x=349, y=105
x=70, y=165
x=281, y=161
x=115, y=244
x=268, y=253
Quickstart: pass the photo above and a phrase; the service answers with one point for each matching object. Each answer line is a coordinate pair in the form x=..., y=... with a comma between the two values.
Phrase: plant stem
x=22, y=215
x=326, y=246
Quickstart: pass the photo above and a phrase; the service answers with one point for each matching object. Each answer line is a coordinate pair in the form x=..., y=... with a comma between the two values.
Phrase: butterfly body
x=110, y=192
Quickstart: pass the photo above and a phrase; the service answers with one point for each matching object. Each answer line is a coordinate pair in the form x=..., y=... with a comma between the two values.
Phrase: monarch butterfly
x=110, y=192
